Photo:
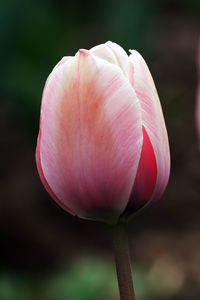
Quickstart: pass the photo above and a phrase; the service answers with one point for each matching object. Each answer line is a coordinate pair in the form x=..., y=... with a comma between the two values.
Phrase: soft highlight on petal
x=113, y=53
x=152, y=119
x=91, y=136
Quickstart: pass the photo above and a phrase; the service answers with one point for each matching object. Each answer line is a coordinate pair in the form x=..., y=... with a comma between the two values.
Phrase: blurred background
x=46, y=254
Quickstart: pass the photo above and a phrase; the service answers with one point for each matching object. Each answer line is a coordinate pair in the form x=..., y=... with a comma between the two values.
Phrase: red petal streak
x=146, y=177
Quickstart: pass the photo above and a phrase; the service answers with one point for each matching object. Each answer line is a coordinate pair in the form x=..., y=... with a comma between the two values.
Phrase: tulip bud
x=102, y=149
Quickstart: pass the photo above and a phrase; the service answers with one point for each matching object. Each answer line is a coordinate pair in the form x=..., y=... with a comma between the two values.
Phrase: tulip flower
x=102, y=150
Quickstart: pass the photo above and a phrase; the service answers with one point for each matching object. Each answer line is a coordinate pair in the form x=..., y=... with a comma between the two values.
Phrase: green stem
x=123, y=262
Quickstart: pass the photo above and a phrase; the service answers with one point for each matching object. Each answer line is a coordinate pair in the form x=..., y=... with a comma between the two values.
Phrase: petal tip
x=83, y=52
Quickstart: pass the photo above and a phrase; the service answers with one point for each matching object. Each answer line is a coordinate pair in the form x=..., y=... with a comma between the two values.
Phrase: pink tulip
x=102, y=149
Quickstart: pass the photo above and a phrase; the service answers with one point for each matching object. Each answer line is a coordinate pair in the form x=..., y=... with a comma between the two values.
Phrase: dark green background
x=45, y=253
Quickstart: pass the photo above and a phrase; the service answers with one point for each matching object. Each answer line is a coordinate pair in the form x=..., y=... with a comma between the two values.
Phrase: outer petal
x=114, y=54
x=43, y=179
x=62, y=61
x=154, y=125
x=91, y=136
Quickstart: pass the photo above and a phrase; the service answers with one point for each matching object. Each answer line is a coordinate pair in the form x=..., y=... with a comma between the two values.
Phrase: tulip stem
x=123, y=262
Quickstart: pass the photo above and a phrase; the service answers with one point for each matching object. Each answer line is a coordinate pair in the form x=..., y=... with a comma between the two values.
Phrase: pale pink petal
x=43, y=179
x=114, y=54
x=91, y=136
x=121, y=56
x=62, y=61
x=104, y=52
x=153, y=121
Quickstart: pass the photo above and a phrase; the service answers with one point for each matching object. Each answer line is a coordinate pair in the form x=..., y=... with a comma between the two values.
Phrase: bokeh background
x=46, y=254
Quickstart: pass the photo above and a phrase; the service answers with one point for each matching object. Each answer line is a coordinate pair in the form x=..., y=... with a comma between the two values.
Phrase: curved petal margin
x=152, y=119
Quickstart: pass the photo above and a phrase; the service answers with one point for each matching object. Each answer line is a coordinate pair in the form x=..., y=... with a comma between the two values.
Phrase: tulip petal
x=153, y=123
x=104, y=52
x=91, y=136
x=146, y=177
x=62, y=61
x=114, y=54
x=43, y=179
